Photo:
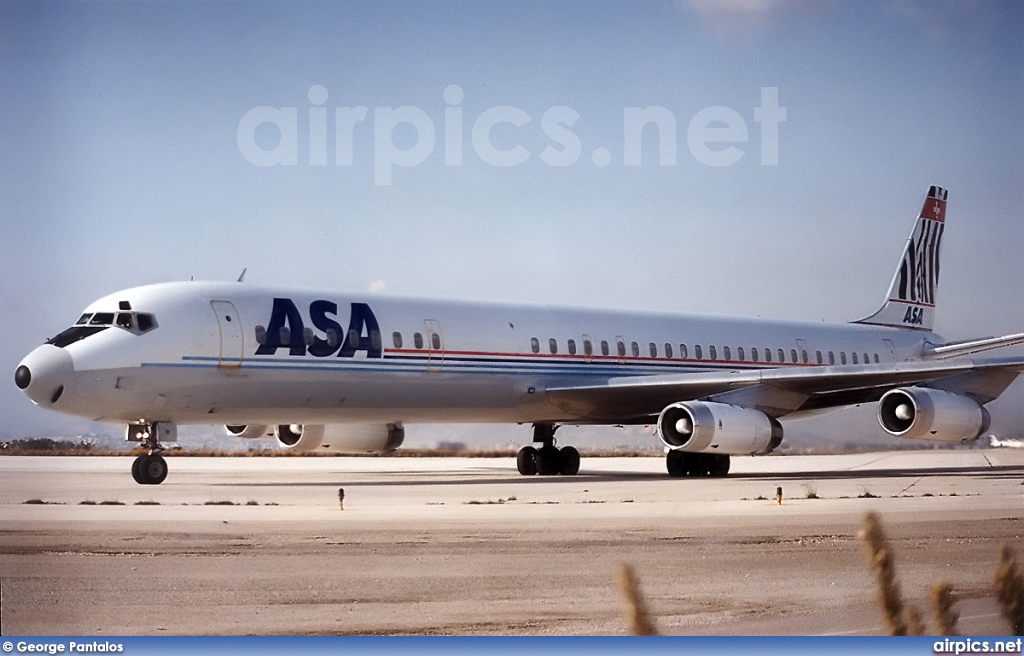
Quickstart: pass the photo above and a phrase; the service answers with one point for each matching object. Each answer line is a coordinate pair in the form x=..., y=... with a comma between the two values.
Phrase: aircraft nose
x=43, y=374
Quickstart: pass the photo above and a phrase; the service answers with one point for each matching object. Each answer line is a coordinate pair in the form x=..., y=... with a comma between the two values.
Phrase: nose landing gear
x=151, y=468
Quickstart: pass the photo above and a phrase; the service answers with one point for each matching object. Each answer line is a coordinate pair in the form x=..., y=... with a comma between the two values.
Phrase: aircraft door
x=435, y=345
x=230, y=328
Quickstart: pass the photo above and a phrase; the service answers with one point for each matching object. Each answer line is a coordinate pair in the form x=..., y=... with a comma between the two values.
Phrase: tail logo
x=919, y=272
x=911, y=299
x=914, y=316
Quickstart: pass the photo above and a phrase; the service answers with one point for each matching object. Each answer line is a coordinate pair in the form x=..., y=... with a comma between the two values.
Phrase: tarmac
x=425, y=546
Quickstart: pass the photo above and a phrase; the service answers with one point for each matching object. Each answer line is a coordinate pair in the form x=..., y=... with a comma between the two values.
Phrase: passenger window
x=588, y=348
x=782, y=356
x=535, y=345
x=572, y=346
x=817, y=356
x=396, y=337
x=792, y=355
x=866, y=360
x=435, y=341
x=376, y=340
x=417, y=340
x=553, y=345
x=753, y=354
x=876, y=358
x=636, y=349
x=84, y=319
x=712, y=353
x=261, y=332
x=308, y=336
x=803, y=356
x=767, y=355
x=620, y=348
x=831, y=357
x=668, y=350
x=728, y=353
x=284, y=335
x=739, y=354
x=653, y=349
x=682, y=351
x=332, y=337
x=854, y=355
x=353, y=338
x=842, y=357
x=697, y=352
x=604, y=347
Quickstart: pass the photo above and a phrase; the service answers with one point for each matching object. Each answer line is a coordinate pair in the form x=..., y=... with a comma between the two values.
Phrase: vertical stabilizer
x=911, y=300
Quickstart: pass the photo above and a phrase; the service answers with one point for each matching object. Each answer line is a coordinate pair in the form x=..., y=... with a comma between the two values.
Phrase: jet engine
x=699, y=426
x=930, y=414
x=251, y=430
x=341, y=438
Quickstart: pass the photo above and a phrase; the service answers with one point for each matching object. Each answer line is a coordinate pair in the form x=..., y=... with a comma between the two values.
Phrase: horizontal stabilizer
x=957, y=349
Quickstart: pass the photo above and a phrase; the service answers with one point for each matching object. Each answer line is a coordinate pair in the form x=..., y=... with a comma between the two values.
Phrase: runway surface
x=467, y=546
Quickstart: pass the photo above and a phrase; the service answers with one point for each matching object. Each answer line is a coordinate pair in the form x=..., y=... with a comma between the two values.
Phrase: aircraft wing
x=778, y=392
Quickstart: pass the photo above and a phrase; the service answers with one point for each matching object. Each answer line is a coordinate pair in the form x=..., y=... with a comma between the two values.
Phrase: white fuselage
x=207, y=362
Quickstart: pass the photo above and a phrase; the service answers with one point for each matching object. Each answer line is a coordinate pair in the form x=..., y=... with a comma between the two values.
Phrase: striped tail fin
x=911, y=300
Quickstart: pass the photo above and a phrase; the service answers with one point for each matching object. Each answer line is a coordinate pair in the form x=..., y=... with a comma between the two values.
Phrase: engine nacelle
x=698, y=426
x=930, y=414
x=250, y=430
x=300, y=437
x=341, y=438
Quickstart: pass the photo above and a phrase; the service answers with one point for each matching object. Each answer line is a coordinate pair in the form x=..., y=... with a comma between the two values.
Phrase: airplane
x=344, y=372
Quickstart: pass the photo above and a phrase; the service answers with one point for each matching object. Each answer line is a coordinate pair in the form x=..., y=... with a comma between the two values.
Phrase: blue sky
x=122, y=164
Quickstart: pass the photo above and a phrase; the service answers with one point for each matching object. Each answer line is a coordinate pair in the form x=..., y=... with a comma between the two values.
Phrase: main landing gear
x=151, y=468
x=684, y=463
x=548, y=459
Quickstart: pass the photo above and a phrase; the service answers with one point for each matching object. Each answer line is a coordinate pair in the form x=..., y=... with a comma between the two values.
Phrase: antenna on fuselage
x=241, y=278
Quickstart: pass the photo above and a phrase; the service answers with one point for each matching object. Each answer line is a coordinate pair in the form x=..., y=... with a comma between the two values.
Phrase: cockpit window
x=145, y=322
x=73, y=334
x=90, y=324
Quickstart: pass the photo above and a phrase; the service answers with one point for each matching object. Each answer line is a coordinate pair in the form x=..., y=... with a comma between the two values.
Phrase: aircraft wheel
x=153, y=469
x=570, y=461
x=549, y=460
x=137, y=470
x=719, y=466
x=526, y=461
x=705, y=463
x=676, y=462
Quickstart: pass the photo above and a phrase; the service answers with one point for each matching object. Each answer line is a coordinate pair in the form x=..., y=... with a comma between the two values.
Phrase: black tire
x=694, y=464
x=526, y=461
x=705, y=463
x=570, y=461
x=719, y=466
x=153, y=469
x=676, y=463
x=137, y=470
x=549, y=461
